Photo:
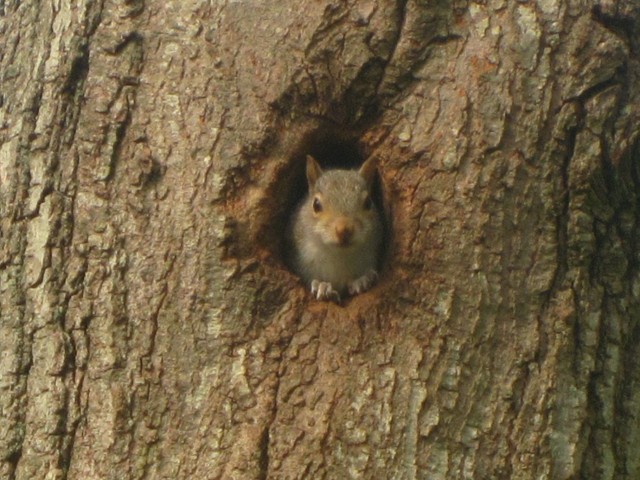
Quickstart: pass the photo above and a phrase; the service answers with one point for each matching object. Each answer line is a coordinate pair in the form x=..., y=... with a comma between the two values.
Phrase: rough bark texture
x=150, y=154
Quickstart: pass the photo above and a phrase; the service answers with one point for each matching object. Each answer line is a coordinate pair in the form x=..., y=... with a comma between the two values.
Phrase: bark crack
x=263, y=461
x=624, y=27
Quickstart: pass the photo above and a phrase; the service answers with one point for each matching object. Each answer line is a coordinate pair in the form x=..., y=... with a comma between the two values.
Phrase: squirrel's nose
x=344, y=231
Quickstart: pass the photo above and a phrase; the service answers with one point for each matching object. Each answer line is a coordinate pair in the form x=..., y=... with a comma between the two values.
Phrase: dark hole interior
x=335, y=153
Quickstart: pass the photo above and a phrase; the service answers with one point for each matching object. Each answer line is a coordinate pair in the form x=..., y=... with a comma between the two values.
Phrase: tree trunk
x=150, y=156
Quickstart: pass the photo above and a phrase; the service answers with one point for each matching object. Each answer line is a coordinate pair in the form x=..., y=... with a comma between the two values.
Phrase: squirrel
x=336, y=231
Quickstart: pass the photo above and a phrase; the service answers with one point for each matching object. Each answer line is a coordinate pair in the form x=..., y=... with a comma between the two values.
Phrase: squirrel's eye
x=317, y=206
x=367, y=203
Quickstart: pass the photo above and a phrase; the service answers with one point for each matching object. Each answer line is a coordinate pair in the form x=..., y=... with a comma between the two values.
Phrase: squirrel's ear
x=368, y=170
x=313, y=171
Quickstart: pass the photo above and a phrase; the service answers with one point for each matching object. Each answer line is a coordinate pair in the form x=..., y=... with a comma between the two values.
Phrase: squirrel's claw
x=324, y=291
x=363, y=283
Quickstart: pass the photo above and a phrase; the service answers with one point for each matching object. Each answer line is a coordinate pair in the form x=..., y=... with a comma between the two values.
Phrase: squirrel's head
x=340, y=204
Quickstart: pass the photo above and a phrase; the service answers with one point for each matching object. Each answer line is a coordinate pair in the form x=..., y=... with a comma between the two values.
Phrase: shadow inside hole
x=335, y=153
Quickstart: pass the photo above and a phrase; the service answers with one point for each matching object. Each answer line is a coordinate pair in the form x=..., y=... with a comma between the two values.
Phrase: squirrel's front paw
x=324, y=291
x=363, y=283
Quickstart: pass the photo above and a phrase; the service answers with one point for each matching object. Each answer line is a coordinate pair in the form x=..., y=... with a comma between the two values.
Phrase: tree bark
x=150, y=156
